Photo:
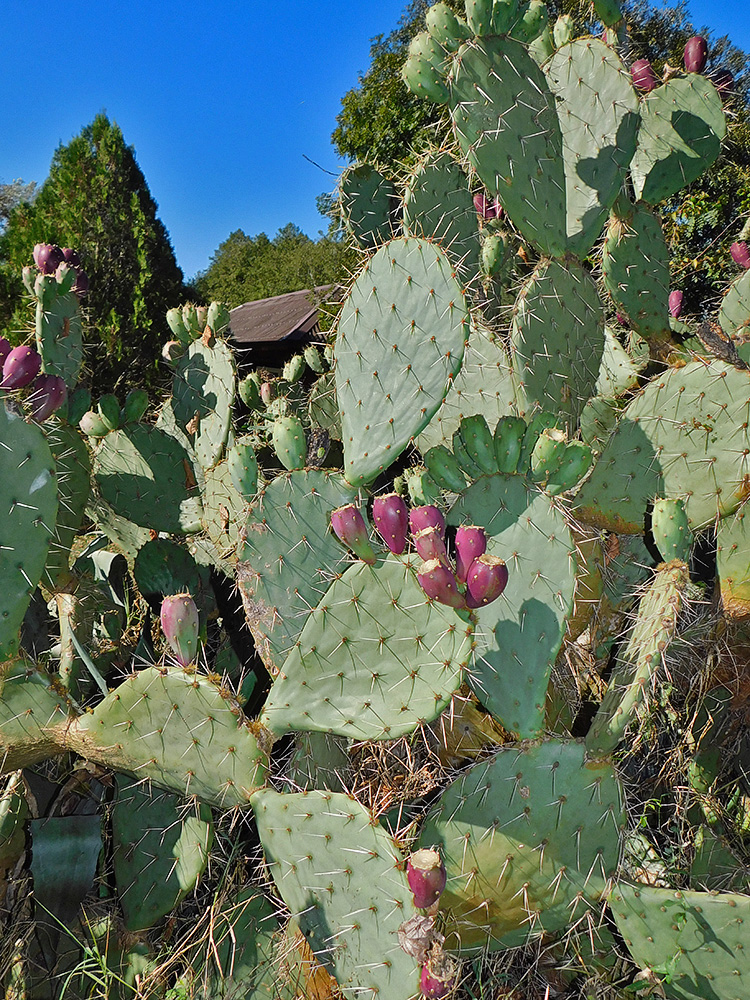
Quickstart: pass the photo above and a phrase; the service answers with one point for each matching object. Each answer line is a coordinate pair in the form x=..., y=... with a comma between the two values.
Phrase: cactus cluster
x=384, y=759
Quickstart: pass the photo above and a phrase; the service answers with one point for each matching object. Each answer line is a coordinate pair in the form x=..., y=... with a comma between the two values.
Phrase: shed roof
x=280, y=317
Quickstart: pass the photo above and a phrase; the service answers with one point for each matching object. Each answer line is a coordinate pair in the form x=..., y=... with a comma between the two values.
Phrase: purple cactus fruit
x=696, y=54
x=4, y=349
x=481, y=205
x=675, y=303
x=20, y=368
x=425, y=873
x=723, y=80
x=621, y=318
x=643, y=76
x=485, y=581
x=740, y=254
x=71, y=257
x=439, y=976
x=392, y=521
x=349, y=527
x=430, y=545
x=81, y=283
x=438, y=582
x=471, y=542
x=426, y=517
x=47, y=394
x=179, y=621
x=48, y=257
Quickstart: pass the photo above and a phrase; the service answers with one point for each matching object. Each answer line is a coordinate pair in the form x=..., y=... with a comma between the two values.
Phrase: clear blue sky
x=221, y=100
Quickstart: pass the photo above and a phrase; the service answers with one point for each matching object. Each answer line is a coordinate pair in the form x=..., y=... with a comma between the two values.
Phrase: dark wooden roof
x=283, y=317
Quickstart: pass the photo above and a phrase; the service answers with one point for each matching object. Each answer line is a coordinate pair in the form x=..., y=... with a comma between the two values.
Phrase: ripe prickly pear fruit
x=425, y=873
x=488, y=209
x=471, y=542
x=439, y=976
x=47, y=394
x=71, y=257
x=392, y=521
x=20, y=368
x=426, y=516
x=723, y=80
x=349, y=527
x=48, y=257
x=696, y=54
x=675, y=303
x=289, y=442
x=179, y=622
x=438, y=581
x=485, y=581
x=4, y=349
x=740, y=254
x=643, y=76
x=81, y=283
x=430, y=545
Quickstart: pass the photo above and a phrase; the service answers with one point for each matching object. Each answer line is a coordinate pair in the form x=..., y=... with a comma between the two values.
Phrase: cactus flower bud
x=179, y=621
x=485, y=581
x=675, y=304
x=48, y=257
x=392, y=521
x=438, y=582
x=425, y=873
x=349, y=527
x=430, y=545
x=48, y=394
x=426, y=517
x=471, y=542
x=740, y=254
x=696, y=54
x=20, y=368
x=643, y=76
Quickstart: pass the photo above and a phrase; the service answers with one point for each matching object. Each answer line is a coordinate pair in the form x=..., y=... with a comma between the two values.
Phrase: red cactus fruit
x=48, y=257
x=696, y=54
x=4, y=349
x=487, y=209
x=20, y=368
x=81, y=283
x=430, y=545
x=48, y=393
x=425, y=873
x=643, y=76
x=349, y=527
x=723, y=80
x=438, y=582
x=426, y=517
x=486, y=580
x=471, y=542
x=675, y=303
x=179, y=621
x=71, y=257
x=392, y=521
x=740, y=254
x=439, y=976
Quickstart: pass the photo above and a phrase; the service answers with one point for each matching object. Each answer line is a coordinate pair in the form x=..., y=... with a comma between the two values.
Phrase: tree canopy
x=245, y=268
x=96, y=200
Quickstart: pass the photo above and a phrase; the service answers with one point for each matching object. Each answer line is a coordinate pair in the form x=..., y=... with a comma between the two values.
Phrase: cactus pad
x=368, y=200
x=202, y=396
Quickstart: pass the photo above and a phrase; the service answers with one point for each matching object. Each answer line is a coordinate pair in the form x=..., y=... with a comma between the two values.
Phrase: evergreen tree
x=96, y=200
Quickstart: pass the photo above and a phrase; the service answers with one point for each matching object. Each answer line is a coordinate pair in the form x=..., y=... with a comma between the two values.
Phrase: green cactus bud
x=314, y=360
x=479, y=16
x=671, y=531
x=422, y=489
x=608, y=12
x=576, y=462
x=494, y=253
x=445, y=27
x=562, y=33
x=445, y=469
x=249, y=390
x=532, y=22
x=294, y=369
x=289, y=442
x=424, y=69
x=108, y=408
x=93, y=425
x=135, y=406
x=547, y=455
x=217, y=317
x=243, y=468
x=177, y=326
x=539, y=422
x=478, y=442
x=79, y=402
x=509, y=435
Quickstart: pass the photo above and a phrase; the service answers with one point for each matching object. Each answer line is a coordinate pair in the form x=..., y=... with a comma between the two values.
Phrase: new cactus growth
x=179, y=621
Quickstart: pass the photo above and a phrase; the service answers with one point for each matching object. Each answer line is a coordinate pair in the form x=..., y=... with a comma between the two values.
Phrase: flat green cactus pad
x=177, y=729
x=289, y=557
x=160, y=850
x=368, y=204
x=734, y=315
x=557, y=338
x=529, y=839
x=515, y=145
x=685, y=436
x=73, y=470
x=341, y=875
x=682, y=126
x=147, y=477
x=598, y=112
x=28, y=501
x=696, y=942
x=33, y=716
x=401, y=336
x=518, y=636
x=733, y=563
x=375, y=659
x=202, y=396
x=438, y=203
x=59, y=337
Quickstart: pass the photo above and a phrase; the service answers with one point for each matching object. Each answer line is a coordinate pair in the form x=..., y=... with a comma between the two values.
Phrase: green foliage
x=96, y=199
x=245, y=268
